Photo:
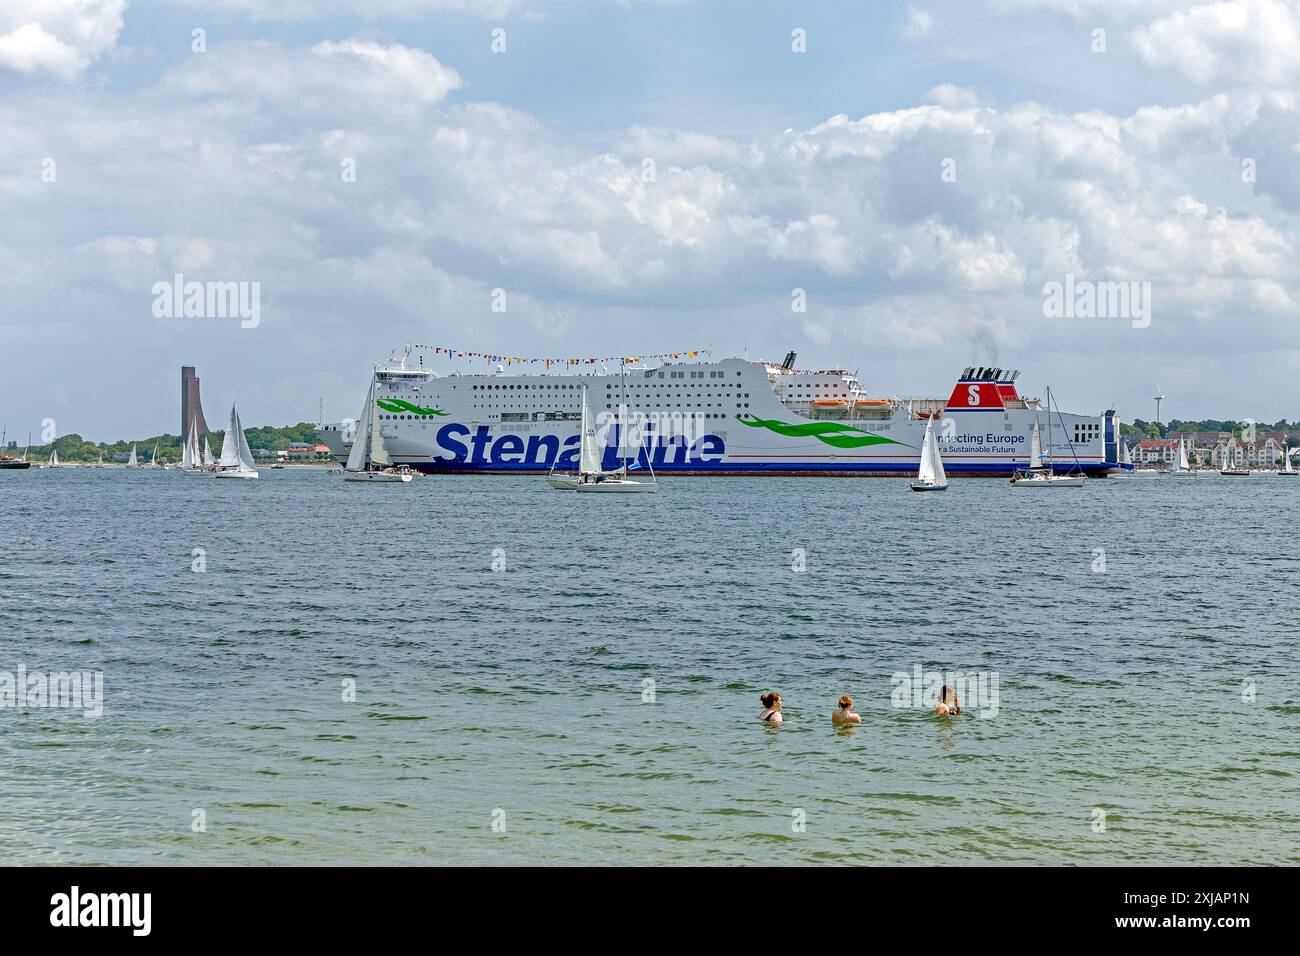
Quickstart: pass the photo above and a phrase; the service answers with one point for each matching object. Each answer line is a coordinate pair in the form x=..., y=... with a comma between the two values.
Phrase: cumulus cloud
x=347, y=79
x=57, y=37
x=229, y=168
x=1226, y=44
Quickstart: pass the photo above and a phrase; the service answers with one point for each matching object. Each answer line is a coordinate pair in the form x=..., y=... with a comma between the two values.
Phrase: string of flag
x=549, y=361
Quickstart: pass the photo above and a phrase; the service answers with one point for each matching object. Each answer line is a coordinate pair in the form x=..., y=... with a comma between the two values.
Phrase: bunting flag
x=491, y=357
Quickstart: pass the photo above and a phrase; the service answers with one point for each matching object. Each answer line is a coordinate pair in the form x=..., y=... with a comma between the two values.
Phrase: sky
x=645, y=176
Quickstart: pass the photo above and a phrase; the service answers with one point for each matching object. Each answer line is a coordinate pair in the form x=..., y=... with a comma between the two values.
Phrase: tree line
x=73, y=447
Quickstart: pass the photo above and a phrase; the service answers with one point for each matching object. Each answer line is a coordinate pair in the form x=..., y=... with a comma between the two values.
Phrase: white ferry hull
x=725, y=419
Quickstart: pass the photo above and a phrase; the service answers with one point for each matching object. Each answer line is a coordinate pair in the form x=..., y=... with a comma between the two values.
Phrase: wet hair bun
x=768, y=699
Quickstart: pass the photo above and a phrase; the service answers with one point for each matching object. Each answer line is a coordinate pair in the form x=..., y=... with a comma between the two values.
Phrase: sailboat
x=101, y=460
x=930, y=476
x=1180, y=465
x=1230, y=467
x=592, y=476
x=588, y=457
x=1286, y=468
x=153, y=461
x=209, y=461
x=236, y=457
x=54, y=459
x=1124, y=457
x=191, y=458
x=369, y=459
x=1042, y=475
x=132, y=462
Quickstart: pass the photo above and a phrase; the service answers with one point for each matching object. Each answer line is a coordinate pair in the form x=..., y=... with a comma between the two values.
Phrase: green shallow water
x=517, y=695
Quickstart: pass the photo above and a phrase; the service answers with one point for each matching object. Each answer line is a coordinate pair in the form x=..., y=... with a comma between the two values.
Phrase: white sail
x=205, y=453
x=1035, y=449
x=230, y=444
x=378, y=452
x=245, y=453
x=361, y=433
x=131, y=462
x=1183, y=464
x=589, y=459
x=54, y=458
x=1124, y=457
x=939, y=476
x=153, y=462
x=187, y=450
x=929, y=455
x=1286, y=461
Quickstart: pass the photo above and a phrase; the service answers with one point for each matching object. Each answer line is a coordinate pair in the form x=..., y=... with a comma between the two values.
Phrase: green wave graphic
x=397, y=405
x=829, y=433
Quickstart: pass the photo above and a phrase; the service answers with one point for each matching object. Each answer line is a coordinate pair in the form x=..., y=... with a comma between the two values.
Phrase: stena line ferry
x=730, y=417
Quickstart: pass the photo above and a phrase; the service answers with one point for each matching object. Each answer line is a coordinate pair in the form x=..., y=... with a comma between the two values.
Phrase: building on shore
x=1154, y=452
x=306, y=451
x=1264, y=452
x=1214, y=450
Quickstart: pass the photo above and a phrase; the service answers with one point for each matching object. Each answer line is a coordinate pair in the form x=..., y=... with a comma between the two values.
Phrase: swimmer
x=949, y=705
x=844, y=714
x=771, y=708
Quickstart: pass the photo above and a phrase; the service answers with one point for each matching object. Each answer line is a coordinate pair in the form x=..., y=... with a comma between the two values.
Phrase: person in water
x=844, y=714
x=949, y=705
x=771, y=708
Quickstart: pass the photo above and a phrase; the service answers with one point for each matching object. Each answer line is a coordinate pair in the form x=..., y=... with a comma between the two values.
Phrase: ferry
x=729, y=417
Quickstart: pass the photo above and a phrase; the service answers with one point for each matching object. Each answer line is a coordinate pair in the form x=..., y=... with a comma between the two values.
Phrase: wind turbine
x=1159, y=399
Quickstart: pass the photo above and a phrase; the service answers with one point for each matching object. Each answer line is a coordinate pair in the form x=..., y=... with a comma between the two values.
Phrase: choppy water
x=521, y=691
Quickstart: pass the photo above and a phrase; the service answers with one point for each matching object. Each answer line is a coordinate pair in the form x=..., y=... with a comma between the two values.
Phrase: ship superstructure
x=730, y=417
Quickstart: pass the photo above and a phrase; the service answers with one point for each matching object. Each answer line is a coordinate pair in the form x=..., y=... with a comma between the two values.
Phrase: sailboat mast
x=622, y=413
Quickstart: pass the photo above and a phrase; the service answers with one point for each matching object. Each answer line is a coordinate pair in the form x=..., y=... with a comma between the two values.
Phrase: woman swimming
x=949, y=705
x=844, y=713
x=771, y=708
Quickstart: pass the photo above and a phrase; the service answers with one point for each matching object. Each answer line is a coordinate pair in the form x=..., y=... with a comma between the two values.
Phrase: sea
x=480, y=670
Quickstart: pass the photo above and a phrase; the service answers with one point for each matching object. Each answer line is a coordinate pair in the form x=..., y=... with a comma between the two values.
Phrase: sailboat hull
x=617, y=486
x=380, y=477
x=236, y=473
x=562, y=482
x=1048, y=481
x=923, y=486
